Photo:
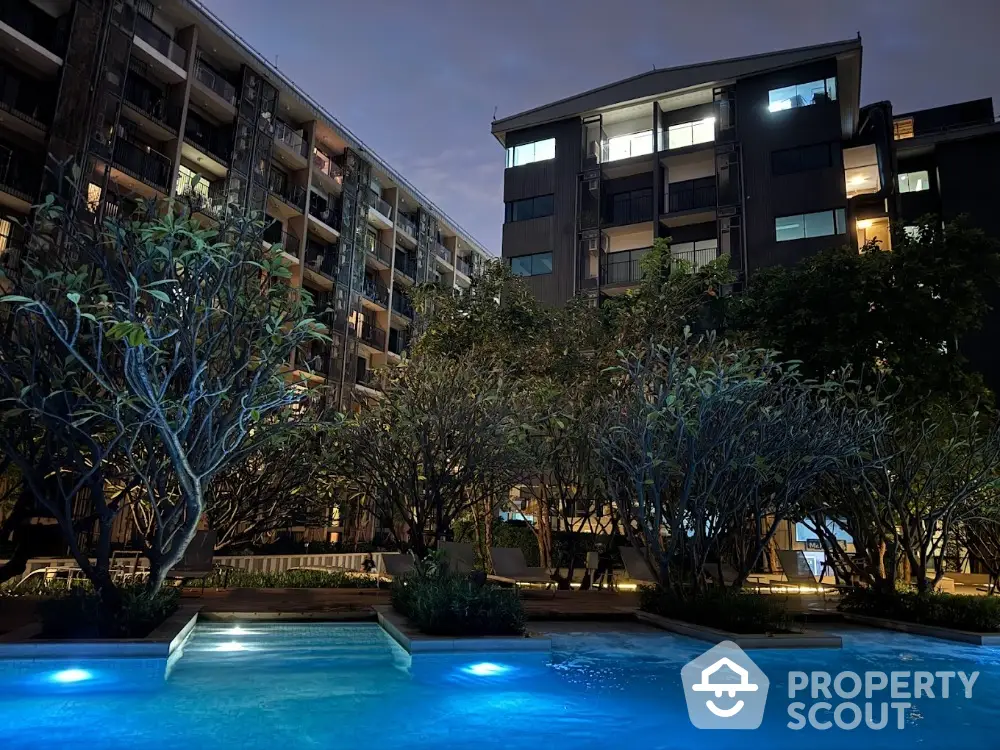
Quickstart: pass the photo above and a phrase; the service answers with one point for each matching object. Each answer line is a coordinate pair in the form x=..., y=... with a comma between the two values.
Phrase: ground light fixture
x=69, y=676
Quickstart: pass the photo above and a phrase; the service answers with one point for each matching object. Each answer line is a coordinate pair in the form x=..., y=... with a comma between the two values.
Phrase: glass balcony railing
x=293, y=195
x=441, y=251
x=399, y=341
x=215, y=82
x=372, y=335
x=143, y=96
x=293, y=139
x=214, y=141
x=464, y=266
x=34, y=23
x=380, y=205
x=376, y=291
x=143, y=163
x=627, y=146
x=323, y=211
x=160, y=40
x=322, y=259
x=324, y=164
x=406, y=225
x=406, y=265
x=402, y=306
x=381, y=251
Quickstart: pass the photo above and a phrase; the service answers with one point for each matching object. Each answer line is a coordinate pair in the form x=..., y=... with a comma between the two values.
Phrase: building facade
x=160, y=99
x=766, y=159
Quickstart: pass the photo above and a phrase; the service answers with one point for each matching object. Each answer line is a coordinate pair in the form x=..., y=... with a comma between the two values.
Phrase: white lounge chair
x=636, y=567
x=509, y=566
x=396, y=564
x=797, y=572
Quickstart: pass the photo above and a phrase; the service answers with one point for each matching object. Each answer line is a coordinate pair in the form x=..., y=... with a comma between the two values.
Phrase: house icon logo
x=724, y=689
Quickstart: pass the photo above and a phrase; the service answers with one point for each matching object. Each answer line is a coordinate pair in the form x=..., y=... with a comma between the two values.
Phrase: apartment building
x=160, y=99
x=766, y=158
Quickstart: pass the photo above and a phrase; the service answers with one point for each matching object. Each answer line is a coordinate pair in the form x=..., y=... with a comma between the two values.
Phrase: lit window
x=529, y=153
x=627, y=146
x=691, y=133
x=802, y=94
x=538, y=264
x=914, y=182
x=815, y=224
x=190, y=182
x=902, y=128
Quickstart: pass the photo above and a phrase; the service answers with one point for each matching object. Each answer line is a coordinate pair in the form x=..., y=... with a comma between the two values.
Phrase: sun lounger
x=198, y=561
x=509, y=566
x=636, y=567
x=396, y=564
x=798, y=573
x=461, y=556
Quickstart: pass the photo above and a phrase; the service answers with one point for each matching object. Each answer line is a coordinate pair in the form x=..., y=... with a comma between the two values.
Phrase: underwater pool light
x=68, y=676
x=485, y=669
x=231, y=646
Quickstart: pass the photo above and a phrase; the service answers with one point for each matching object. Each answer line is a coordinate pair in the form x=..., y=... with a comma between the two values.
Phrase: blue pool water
x=292, y=686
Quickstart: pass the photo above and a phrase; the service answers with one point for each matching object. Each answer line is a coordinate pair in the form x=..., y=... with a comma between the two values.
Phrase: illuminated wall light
x=865, y=224
x=485, y=669
x=69, y=676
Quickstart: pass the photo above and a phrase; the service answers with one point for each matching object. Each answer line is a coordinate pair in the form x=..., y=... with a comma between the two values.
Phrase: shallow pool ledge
x=930, y=631
x=416, y=642
x=806, y=639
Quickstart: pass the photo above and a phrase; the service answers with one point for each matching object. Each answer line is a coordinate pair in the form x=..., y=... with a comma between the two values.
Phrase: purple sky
x=418, y=80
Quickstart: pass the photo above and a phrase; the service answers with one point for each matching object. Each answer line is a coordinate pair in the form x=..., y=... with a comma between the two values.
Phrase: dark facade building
x=766, y=159
x=160, y=99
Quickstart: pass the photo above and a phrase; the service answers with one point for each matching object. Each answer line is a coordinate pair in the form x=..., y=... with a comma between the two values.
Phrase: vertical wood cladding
x=766, y=195
x=556, y=233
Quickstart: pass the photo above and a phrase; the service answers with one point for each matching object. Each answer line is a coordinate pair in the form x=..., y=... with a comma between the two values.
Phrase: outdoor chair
x=509, y=566
x=396, y=564
x=461, y=556
x=198, y=561
x=636, y=567
x=729, y=575
x=797, y=572
x=126, y=567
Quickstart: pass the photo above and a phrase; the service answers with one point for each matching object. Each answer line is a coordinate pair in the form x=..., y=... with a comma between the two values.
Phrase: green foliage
x=439, y=602
x=901, y=313
x=289, y=579
x=78, y=613
x=978, y=614
x=723, y=609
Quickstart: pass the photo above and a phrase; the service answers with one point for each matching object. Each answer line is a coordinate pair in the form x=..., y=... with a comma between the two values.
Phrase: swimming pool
x=292, y=686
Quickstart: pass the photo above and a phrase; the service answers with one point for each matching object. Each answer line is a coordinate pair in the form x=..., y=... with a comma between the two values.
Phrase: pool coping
x=167, y=638
x=806, y=639
x=930, y=631
x=414, y=642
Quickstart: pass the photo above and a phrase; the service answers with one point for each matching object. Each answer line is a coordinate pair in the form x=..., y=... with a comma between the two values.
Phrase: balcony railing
x=11, y=243
x=146, y=98
x=325, y=212
x=441, y=251
x=406, y=265
x=623, y=267
x=627, y=146
x=368, y=378
x=690, y=198
x=26, y=99
x=322, y=259
x=402, y=306
x=215, y=82
x=372, y=335
x=327, y=166
x=698, y=258
x=284, y=133
x=293, y=195
x=34, y=23
x=399, y=341
x=631, y=208
x=142, y=163
x=376, y=291
x=464, y=266
x=160, y=40
x=380, y=205
x=406, y=225
x=212, y=140
x=381, y=251
x=316, y=358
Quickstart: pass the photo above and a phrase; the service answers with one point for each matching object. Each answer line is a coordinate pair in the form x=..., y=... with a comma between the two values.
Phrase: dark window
x=633, y=207
x=528, y=208
x=803, y=158
x=531, y=265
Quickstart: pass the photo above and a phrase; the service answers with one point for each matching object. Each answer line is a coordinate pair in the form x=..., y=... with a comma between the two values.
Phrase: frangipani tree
x=178, y=338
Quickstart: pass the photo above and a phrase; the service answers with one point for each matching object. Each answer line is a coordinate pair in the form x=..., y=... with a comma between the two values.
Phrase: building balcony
x=691, y=197
x=156, y=46
x=368, y=378
x=406, y=225
x=463, y=266
x=147, y=99
x=630, y=208
x=373, y=336
x=273, y=235
x=206, y=197
x=292, y=195
x=212, y=140
x=142, y=163
x=11, y=244
x=380, y=252
x=374, y=290
x=290, y=138
x=627, y=146
x=399, y=341
x=441, y=252
x=622, y=267
x=406, y=265
x=322, y=259
x=402, y=306
x=379, y=205
x=324, y=211
x=327, y=169
x=28, y=100
x=40, y=38
x=215, y=83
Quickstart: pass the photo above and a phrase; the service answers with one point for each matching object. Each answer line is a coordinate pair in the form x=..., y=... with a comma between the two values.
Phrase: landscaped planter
x=931, y=631
x=414, y=642
x=30, y=661
x=806, y=639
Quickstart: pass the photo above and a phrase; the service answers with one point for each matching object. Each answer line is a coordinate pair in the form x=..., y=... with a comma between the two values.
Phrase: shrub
x=724, y=609
x=288, y=579
x=78, y=613
x=438, y=602
x=979, y=614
